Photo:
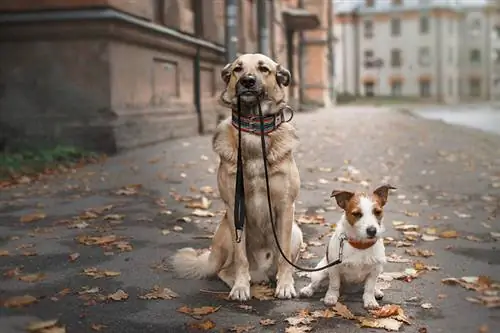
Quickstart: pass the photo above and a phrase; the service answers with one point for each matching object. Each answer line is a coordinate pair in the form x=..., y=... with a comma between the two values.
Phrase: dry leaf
x=391, y=310
x=389, y=324
x=97, y=327
x=429, y=238
x=267, y=322
x=311, y=219
x=262, y=292
x=483, y=329
x=419, y=252
x=31, y=278
x=119, y=295
x=448, y=234
x=19, y=301
x=343, y=311
x=41, y=325
x=203, y=326
x=33, y=217
x=407, y=227
x=298, y=329
x=4, y=253
x=102, y=240
x=160, y=293
x=202, y=213
x=96, y=273
x=203, y=203
x=197, y=313
x=426, y=306
x=74, y=256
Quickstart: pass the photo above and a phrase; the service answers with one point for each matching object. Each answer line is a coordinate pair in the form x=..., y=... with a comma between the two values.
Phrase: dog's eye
x=377, y=212
x=264, y=69
x=357, y=215
x=237, y=69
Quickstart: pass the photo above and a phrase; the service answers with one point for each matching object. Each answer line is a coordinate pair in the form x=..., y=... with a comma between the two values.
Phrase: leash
x=239, y=197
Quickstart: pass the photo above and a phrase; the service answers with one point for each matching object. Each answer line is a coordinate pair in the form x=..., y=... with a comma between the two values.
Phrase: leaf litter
x=46, y=326
x=488, y=291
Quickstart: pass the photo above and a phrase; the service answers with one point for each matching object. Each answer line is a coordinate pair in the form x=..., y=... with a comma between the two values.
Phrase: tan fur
x=256, y=258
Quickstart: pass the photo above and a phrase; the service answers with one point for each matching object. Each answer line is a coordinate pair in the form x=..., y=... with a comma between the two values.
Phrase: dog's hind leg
x=316, y=279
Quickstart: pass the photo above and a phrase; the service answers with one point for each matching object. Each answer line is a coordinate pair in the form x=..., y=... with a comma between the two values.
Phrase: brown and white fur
x=256, y=257
x=364, y=251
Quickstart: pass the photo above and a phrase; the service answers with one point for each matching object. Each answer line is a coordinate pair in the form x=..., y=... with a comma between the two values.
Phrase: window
x=396, y=60
x=475, y=56
x=368, y=29
x=497, y=32
x=369, y=89
x=450, y=86
x=368, y=55
x=450, y=55
x=369, y=3
x=475, y=27
x=424, y=25
x=424, y=56
x=425, y=88
x=396, y=88
x=496, y=56
x=397, y=2
x=475, y=87
x=395, y=27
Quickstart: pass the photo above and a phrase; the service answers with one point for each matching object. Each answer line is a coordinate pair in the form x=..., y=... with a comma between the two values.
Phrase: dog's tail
x=188, y=264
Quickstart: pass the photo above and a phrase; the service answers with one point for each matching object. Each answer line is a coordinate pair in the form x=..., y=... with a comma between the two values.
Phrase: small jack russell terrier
x=361, y=226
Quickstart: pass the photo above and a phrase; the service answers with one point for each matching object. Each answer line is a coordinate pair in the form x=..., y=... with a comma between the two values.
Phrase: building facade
x=109, y=75
x=428, y=49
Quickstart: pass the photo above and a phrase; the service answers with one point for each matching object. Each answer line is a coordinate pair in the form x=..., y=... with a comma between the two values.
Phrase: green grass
x=31, y=161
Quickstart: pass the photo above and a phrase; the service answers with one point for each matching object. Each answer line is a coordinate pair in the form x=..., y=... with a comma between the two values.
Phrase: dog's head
x=363, y=212
x=255, y=78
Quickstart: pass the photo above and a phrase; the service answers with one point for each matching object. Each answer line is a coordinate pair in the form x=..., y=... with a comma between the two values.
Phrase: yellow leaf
x=203, y=326
x=389, y=324
x=32, y=277
x=119, y=295
x=160, y=293
x=19, y=301
x=198, y=312
x=262, y=292
x=448, y=234
x=33, y=217
x=4, y=253
x=40, y=325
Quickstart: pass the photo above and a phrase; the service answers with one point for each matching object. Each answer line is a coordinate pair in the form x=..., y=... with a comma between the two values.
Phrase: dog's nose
x=248, y=81
x=371, y=231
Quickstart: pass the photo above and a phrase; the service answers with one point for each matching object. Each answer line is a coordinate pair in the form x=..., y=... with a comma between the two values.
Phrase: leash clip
x=343, y=238
x=238, y=236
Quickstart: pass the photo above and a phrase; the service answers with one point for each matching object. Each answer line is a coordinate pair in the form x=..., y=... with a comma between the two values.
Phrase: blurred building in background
x=115, y=74
x=442, y=50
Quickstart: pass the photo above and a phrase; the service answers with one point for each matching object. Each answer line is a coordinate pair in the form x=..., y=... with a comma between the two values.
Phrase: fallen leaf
x=204, y=325
x=160, y=293
x=31, y=278
x=19, y=301
x=495, y=235
x=448, y=234
x=4, y=253
x=342, y=311
x=33, y=217
x=114, y=217
x=429, y=238
x=241, y=328
x=473, y=238
x=397, y=258
x=74, y=256
x=97, y=327
x=311, y=219
x=129, y=190
x=197, y=313
x=202, y=213
x=419, y=252
x=96, y=273
x=391, y=310
x=203, y=203
x=407, y=227
x=483, y=329
x=96, y=240
x=389, y=324
x=398, y=223
x=119, y=295
x=41, y=325
x=267, y=322
x=426, y=306
x=262, y=292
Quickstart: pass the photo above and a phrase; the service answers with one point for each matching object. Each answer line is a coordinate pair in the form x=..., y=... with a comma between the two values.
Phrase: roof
x=380, y=6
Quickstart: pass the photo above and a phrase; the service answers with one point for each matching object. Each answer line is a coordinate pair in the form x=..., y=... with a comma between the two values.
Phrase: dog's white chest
x=355, y=273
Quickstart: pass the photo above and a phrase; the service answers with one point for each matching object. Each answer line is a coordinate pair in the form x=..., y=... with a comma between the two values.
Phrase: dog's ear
x=225, y=73
x=283, y=76
x=342, y=197
x=382, y=192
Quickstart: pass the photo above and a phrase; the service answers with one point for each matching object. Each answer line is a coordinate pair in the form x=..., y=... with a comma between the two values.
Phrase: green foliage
x=31, y=161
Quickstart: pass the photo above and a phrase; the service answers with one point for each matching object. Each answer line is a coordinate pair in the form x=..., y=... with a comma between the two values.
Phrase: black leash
x=239, y=197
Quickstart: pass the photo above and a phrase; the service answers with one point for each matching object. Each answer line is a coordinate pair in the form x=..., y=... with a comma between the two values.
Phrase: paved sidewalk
x=448, y=179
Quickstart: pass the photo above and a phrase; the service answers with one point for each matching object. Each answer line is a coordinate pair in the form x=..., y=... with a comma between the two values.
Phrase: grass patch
x=31, y=162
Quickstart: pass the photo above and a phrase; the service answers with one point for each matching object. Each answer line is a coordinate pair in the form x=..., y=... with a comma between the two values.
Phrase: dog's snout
x=371, y=231
x=248, y=81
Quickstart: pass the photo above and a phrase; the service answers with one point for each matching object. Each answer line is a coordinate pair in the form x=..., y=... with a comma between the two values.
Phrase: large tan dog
x=256, y=257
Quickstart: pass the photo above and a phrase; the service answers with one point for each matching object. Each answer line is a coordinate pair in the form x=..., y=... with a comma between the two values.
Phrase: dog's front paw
x=285, y=290
x=240, y=292
x=370, y=303
x=331, y=298
x=307, y=291
x=379, y=294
